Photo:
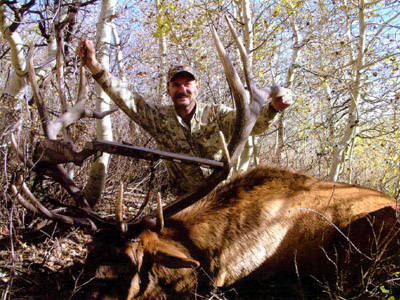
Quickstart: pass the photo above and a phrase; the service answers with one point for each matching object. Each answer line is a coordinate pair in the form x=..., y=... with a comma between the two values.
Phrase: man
x=186, y=126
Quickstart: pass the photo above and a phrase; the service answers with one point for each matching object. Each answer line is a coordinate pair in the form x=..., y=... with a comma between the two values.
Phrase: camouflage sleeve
x=266, y=117
x=140, y=111
x=227, y=118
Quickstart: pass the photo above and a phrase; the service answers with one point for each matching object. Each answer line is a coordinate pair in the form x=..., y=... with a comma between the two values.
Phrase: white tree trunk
x=15, y=87
x=16, y=84
x=98, y=172
x=119, y=55
x=299, y=42
x=248, y=30
x=162, y=69
x=343, y=145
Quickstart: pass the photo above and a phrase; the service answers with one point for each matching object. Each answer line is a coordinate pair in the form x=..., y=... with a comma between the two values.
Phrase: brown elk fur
x=260, y=223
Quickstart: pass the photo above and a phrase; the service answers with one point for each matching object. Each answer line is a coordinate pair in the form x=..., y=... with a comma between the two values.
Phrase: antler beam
x=35, y=206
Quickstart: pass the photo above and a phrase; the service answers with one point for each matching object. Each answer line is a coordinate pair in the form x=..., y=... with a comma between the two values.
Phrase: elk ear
x=166, y=253
x=171, y=257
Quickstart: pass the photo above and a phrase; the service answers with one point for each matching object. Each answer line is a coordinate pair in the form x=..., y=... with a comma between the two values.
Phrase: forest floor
x=46, y=264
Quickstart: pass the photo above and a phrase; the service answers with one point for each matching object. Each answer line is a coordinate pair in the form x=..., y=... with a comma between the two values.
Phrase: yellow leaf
x=277, y=11
x=384, y=290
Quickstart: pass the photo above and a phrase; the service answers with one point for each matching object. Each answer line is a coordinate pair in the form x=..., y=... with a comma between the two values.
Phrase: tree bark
x=98, y=172
x=162, y=69
x=340, y=149
x=299, y=42
x=15, y=87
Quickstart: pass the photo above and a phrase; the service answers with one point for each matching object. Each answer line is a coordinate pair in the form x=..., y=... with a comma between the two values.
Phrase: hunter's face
x=183, y=90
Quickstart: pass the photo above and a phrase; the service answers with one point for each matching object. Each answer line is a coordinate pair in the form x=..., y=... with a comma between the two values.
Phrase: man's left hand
x=282, y=99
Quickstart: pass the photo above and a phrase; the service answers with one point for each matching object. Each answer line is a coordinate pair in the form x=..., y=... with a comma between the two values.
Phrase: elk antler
x=248, y=107
x=119, y=218
x=35, y=206
x=52, y=128
x=160, y=216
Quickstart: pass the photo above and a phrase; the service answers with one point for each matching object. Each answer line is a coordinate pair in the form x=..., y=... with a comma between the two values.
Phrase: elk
x=257, y=224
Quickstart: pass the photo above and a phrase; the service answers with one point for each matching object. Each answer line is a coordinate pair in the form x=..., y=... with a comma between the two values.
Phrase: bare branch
x=44, y=116
x=19, y=153
x=19, y=13
x=88, y=113
x=381, y=28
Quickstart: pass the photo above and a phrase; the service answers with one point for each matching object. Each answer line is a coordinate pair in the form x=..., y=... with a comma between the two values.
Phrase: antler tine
x=231, y=75
x=245, y=119
x=160, y=216
x=142, y=207
x=225, y=152
x=244, y=57
x=119, y=219
x=34, y=205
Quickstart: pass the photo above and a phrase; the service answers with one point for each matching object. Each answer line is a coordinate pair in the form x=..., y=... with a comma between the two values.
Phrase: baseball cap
x=174, y=70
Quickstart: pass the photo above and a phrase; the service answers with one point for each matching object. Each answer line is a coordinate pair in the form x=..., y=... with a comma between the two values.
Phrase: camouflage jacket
x=172, y=134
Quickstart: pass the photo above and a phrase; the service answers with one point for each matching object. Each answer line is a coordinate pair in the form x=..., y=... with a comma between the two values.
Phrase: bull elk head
x=262, y=222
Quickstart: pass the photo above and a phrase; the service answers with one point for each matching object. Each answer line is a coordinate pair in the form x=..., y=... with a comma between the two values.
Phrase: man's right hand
x=87, y=54
x=281, y=98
